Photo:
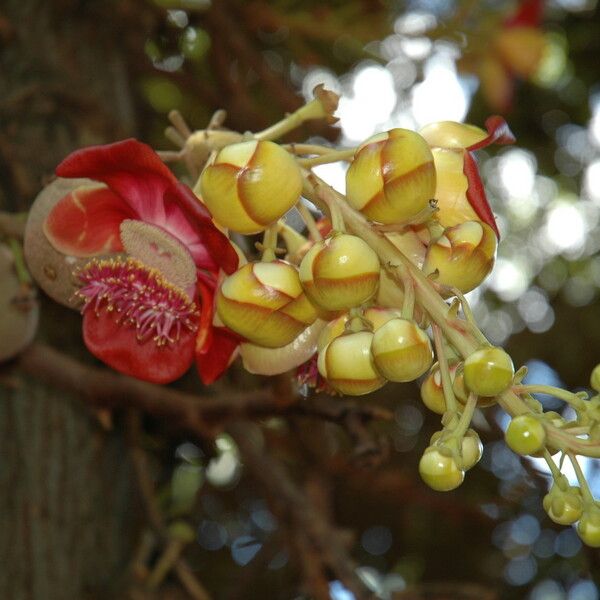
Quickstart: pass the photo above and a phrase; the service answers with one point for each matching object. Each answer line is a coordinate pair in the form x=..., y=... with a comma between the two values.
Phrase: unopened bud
x=250, y=185
x=348, y=365
x=463, y=256
x=392, y=176
x=402, y=350
x=340, y=272
x=264, y=302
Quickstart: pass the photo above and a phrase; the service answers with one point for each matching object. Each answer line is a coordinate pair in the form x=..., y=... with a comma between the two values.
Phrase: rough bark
x=66, y=491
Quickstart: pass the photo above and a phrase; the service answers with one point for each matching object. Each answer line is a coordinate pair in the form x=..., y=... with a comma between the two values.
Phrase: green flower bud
x=563, y=507
x=488, y=371
x=471, y=449
x=588, y=527
x=439, y=470
x=525, y=435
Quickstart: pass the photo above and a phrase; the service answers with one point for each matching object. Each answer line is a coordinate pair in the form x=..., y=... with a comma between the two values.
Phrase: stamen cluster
x=140, y=297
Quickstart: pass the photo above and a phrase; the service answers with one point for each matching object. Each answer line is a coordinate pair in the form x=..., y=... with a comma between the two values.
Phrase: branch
x=327, y=542
x=103, y=388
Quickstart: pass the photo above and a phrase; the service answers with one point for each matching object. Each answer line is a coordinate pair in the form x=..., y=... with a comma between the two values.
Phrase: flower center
x=139, y=296
x=159, y=250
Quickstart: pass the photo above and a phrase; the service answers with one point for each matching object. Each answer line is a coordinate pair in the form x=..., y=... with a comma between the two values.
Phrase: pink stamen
x=308, y=374
x=140, y=296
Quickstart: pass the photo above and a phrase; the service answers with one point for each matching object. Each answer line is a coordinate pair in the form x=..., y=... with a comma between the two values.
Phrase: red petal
x=86, y=222
x=476, y=193
x=214, y=359
x=529, y=13
x=216, y=242
x=118, y=346
x=204, y=335
x=131, y=169
x=499, y=133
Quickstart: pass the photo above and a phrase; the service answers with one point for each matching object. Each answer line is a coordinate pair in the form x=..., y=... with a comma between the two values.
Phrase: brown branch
x=101, y=387
x=140, y=465
x=328, y=544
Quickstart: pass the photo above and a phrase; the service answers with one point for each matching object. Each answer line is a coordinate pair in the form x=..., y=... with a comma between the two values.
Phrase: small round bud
x=588, y=527
x=402, y=350
x=264, y=302
x=471, y=449
x=348, y=365
x=488, y=371
x=340, y=272
x=525, y=435
x=439, y=470
x=432, y=390
x=463, y=256
x=250, y=185
x=563, y=507
x=595, y=378
x=462, y=393
x=392, y=176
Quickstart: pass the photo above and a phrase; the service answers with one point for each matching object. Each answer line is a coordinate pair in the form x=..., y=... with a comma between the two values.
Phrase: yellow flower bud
x=348, y=366
x=402, y=350
x=448, y=140
x=250, y=185
x=264, y=302
x=379, y=316
x=340, y=272
x=432, y=392
x=451, y=134
x=392, y=176
x=488, y=371
x=451, y=189
x=463, y=256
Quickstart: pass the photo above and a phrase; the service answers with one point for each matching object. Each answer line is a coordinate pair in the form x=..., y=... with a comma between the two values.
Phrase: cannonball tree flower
x=514, y=51
x=459, y=192
x=152, y=259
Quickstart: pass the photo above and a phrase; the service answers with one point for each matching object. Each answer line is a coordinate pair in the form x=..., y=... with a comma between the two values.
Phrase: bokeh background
x=75, y=73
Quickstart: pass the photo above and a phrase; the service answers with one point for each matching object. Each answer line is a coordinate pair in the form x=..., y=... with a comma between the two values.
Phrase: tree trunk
x=66, y=491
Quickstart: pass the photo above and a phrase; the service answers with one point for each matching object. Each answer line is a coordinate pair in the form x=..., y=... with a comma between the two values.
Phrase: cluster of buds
x=353, y=310
x=432, y=210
